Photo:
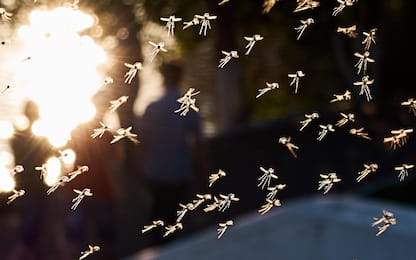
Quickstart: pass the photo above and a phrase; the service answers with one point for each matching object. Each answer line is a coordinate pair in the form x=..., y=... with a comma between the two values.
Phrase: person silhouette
x=29, y=151
x=167, y=140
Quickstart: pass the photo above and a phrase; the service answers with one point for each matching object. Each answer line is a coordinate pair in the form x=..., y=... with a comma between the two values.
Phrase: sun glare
x=7, y=183
x=6, y=129
x=54, y=171
x=68, y=157
x=59, y=70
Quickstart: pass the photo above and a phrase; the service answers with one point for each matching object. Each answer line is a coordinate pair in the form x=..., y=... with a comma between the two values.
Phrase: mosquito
x=349, y=31
x=227, y=58
x=205, y=22
x=368, y=168
x=122, y=133
x=133, y=69
x=308, y=120
x=170, y=23
x=304, y=24
x=251, y=41
x=363, y=60
x=222, y=227
x=346, y=96
x=270, y=86
x=328, y=181
x=364, y=85
x=157, y=47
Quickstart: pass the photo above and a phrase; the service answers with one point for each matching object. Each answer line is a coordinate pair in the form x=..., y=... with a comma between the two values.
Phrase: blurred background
x=68, y=58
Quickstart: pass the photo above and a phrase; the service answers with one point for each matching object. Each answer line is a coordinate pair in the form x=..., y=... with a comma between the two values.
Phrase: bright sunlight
x=58, y=69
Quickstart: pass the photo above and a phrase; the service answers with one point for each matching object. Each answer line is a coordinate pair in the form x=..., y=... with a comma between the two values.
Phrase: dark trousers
x=165, y=203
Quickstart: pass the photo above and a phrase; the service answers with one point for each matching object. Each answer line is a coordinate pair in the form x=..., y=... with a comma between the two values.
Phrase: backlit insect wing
x=364, y=86
x=359, y=132
x=401, y=135
x=305, y=5
x=368, y=168
x=403, y=170
x=291, y=147
x=121, y=133
x=387, y=219
x=308, y=120
x=222, y=227
x=338, y=8
x=325, y=184
x=170, y=23
x=223, y=2
x=205, y=22
x=91, y=250
x=194, y=21
x=268, y=5
x=133, y=68
x=81, y=194
x=345, y=119
x=411, y=103
x=349, y=31
x=5, y=16
x=345, y=96
x=370, y=37
x=273, y=85
x=362, y=61
x=187, y=102
x=60, y=182
x=327, y=181
x=226, y=200
x=227, y=58
x=269, y=205
x=184, y=209
x=342, y=5
x=215, y=176
x=115, y=104
x=264, y=180
x=43, y=170
x=324, y=131
x=200, y=199
x=132, y=137
x=99, y=132
x=273, y=191
x=393, y=140
x=212, y=206
x=295, y=79
x=17, y=169
x=270, y=86
x=16, y=194
x=155, y=223
x=304, y=24
x=172, y=228
x=81, y=169
x=156, y=49
x=251, y=41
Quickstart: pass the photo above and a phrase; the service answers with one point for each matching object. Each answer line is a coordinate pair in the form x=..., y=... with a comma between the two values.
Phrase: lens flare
x=58, y=70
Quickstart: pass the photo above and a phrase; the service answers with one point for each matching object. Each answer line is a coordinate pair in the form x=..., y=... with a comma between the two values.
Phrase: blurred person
x=94, y=221
x=167, y=144
x=30, y=151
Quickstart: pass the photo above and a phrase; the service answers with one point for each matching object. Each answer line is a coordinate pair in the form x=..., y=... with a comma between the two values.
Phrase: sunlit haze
x=54, y=171
x=7, y=182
